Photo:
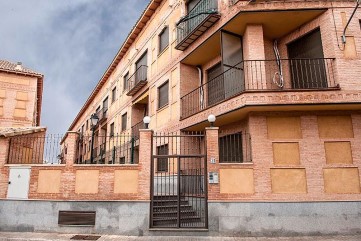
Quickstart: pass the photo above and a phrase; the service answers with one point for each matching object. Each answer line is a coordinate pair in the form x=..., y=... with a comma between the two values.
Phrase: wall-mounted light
x=211, y=120
x=146, y=121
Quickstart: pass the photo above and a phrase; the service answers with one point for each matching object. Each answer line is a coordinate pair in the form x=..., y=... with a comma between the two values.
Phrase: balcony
x=102, y=114
x=198, y=20
x=261, y=75
x=137, y=80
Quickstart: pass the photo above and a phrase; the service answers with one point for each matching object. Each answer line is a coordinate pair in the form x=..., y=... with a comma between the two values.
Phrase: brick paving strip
x=13, y=236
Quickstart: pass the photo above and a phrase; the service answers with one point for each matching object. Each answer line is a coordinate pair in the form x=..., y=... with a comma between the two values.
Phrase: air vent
x=76, y=218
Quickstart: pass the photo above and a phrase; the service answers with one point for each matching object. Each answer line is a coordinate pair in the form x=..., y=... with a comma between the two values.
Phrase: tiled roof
x=9, y=66
x=16, y=131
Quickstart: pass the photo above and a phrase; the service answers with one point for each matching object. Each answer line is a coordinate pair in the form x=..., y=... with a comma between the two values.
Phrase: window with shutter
x=124, y=122
x=105, y=105
x=114, y=94
x=125, y=81
x=163, y=96
x=163, y=39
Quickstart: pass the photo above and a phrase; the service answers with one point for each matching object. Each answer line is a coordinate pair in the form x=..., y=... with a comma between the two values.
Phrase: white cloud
x=70, y=42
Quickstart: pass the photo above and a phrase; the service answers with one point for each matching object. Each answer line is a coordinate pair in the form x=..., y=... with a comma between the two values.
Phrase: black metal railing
x=195, y=17
x=260, y=75
x=234, y=147
x=136, y=128
x=139, y=76
x=37, y=149
x=102, y=113
x=116, y=149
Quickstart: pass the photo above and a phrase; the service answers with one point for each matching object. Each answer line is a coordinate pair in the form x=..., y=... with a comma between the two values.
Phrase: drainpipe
x=343, y=37
x=200, y=75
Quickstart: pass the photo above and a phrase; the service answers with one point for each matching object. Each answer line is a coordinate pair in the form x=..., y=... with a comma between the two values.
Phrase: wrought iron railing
x=36, y=149
x=139, y=75
x=102, y=113
x=195, y=17
x=116, y=149
x=260, y=75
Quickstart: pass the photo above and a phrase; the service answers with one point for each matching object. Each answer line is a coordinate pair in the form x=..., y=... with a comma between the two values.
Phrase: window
x=82, y=129
x=114, y=94
x=141, y=68
x=105, y=105
x=162, y=162
x=163, y=39
x=230, y=148
x=87, y=124
x=124, y=122
x=112, y=129
x=163, y=95
x=125, y=81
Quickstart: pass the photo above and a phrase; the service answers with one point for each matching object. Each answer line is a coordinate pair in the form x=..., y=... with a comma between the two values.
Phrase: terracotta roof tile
x=9, y=66
x=16, y=131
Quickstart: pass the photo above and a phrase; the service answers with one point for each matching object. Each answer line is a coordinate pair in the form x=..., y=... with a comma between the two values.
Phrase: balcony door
x=232, y=65
x=215, y=85
x=307, y=62
x=140, y=68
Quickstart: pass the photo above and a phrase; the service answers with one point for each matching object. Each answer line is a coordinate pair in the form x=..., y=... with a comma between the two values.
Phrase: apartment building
x=254, y=110
x=20, y=95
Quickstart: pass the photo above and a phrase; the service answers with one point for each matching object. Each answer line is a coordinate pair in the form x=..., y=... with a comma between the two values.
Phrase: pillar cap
x=212, y=128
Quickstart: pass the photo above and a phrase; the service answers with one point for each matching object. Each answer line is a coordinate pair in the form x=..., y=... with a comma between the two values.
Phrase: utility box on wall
x=18, y=185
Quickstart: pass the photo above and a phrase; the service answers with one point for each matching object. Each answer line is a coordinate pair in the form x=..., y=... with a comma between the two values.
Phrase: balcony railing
x=260, y=75
x=137, y=80
x=136, y=128
x=102, y=114
x=198, y=20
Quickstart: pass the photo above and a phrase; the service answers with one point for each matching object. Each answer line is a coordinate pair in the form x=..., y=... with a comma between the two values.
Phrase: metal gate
x=178, y=181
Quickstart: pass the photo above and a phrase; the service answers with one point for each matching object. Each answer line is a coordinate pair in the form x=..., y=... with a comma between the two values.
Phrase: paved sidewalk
x=12, y=236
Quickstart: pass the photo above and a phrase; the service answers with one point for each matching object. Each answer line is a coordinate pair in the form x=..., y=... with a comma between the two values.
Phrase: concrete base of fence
x=285, y=219
x=225, y=219
x=127, y=218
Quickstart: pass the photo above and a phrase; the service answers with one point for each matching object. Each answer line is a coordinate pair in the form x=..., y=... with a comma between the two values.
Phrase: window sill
x=236, y=163
x=163, y=107
x=165, y=49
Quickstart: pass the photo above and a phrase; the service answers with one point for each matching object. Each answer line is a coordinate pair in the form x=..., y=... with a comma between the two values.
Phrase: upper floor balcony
x=137, y=80
x=102, y=114
x=261, y=75
x=200, y=18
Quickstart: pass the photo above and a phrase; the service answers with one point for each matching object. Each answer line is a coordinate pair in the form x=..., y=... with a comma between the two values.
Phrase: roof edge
x=144, y=18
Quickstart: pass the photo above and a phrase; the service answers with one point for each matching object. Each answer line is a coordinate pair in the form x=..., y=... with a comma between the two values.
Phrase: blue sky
x=71, y=42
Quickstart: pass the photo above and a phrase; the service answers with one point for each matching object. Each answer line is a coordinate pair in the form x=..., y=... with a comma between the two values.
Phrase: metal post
x=132, y=151
x=92, y=146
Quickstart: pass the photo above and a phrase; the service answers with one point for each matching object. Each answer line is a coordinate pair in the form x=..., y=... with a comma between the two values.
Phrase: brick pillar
x=145, y=155
x=253, y=49
x=4, y=171
x=71, y=147
x=212, y=152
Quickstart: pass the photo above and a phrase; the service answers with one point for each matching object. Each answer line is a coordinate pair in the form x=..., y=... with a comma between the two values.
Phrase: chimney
x=19, y=66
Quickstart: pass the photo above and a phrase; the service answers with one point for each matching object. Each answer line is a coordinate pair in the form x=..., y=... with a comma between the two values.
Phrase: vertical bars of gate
x=178, y=186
